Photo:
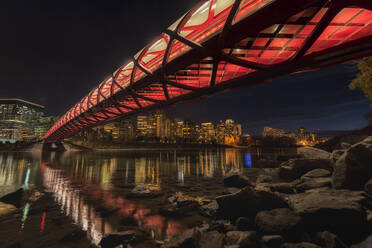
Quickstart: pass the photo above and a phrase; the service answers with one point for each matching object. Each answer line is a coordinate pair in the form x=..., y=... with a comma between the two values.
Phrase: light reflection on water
x=84, y=183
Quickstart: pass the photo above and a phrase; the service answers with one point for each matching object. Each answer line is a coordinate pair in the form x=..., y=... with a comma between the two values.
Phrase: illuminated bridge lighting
x=225, y=44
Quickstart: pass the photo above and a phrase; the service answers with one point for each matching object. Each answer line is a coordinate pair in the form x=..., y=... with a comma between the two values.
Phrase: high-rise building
x=189, y=134
x=19, y=119
x=42, y=126
x=142, y=125
x=126, y=130
x=207, y=133
x=229, y=132
x=273, y=132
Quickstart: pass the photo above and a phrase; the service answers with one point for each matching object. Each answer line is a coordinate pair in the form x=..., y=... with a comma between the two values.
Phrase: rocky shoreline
x=317, y=199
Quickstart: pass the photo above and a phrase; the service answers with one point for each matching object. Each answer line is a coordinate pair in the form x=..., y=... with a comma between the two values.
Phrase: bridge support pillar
x=53, y=147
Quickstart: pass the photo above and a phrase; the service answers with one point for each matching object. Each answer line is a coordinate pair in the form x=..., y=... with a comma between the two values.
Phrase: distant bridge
x=225, y=44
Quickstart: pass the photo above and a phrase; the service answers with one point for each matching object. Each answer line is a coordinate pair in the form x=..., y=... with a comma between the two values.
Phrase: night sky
x=55, y=52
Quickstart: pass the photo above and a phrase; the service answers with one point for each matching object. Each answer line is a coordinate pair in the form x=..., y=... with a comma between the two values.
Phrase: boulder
x=336, y=154
x=282, y=221
x=339, y=211
x=316, y=174
x=313, y=153
x=247, y=239
x=15, y=198
x=237, y=181
x=264, y=179
x=353, y=169
x=369, y=219
x=6, y=209
x=144, y=191
x=313, y=183
x=188, y=239
x=244, y=224
x=114, y=240
x=367, y=243
x=221, y=226
x=209, y=209
x=299, y=245
x=345, y=145
x=211, y=239
x=368, y=187
x=285, y=188
x=272, y=240
x=367, y=142
x=329, y=240
x=248, y=202
x=295, y=168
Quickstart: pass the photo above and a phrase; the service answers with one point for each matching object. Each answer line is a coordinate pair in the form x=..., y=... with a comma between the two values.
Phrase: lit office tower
x=207, y=133
x=189, y=134
x=142, y=125
x=161, y=126
x=18, y=119
x=126, y=130
x=229, y=132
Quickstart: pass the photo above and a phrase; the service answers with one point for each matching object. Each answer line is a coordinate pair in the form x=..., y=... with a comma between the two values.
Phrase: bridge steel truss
x=224, y=44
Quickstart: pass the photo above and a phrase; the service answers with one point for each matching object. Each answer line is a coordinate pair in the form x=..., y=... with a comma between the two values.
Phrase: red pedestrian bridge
x=221, y=45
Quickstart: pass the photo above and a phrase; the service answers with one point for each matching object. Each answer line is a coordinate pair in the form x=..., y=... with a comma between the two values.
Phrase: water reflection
x=92, y=188
x=17, y=170
x=73, y=204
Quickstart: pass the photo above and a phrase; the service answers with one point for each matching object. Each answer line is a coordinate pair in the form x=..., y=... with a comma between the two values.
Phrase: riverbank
x=313, y=199
x=319, y=200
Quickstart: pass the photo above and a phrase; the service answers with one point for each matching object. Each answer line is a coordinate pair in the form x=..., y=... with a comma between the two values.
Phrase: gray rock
x=353, y=169
x=212, y=239
x=300, y=245
x=367, y=243
x=285, y=188
x=247, y=239
x=221, y=226
x=282, y=221
x=15, y=198
x=345, y=145
x=369, y=219
x=244, y=224
x=313, y=153
x=272, y=240
x=316, y=174
x=329, y=240
x=237, y=181
x=336, y=154
x=114, y=240
x=339, y=211
x=209, y=209
x=313, y=183
x=295, y=168
x=368, y=187
x=188, y=239
x=264, y=179
x=144, y=191
x=6, y=209
x=248, y=202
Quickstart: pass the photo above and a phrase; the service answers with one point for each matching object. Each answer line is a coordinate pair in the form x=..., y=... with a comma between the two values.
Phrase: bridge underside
x=225, y=44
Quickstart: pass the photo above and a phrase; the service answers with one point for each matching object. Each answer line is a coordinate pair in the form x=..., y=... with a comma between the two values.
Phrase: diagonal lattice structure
x=225, y=44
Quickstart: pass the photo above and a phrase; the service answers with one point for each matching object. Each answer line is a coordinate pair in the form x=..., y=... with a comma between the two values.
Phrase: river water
x=92, y=187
